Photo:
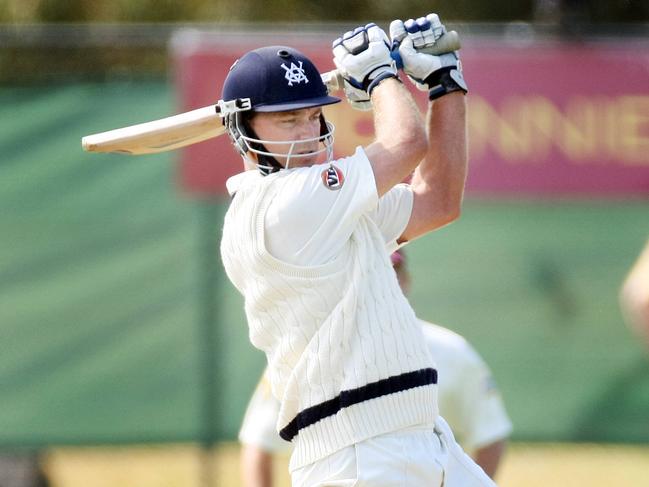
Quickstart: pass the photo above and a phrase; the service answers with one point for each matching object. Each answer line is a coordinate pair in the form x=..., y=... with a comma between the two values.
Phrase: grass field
x=525, y=464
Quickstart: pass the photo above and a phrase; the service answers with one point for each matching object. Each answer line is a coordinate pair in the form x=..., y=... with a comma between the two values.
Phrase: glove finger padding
x=425, y=31
x=363, y=57
x=397, y=32
x=438, y=74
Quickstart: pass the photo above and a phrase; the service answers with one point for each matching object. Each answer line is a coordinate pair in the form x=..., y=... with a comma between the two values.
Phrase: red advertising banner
x=544, y=118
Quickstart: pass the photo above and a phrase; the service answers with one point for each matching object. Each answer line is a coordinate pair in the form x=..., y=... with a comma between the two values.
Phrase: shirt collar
x=234, y=183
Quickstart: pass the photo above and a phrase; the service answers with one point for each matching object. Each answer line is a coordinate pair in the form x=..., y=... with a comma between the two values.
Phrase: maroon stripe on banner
x=544, y=118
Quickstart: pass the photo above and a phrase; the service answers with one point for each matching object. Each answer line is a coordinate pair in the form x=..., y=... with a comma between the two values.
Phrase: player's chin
x=305, y=159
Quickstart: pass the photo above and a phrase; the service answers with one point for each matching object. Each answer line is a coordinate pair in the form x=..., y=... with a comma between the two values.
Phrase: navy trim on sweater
x=383, y=387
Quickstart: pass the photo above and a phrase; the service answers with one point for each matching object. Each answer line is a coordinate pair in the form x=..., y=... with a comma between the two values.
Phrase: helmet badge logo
x=295, y=74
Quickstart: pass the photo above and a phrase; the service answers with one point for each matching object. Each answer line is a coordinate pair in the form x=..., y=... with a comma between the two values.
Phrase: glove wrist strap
x=376, y=81
x=443, y=82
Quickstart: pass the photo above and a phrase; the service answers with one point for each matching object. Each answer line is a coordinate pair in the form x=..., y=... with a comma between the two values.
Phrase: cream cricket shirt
x=468, y=398
x=309, y=250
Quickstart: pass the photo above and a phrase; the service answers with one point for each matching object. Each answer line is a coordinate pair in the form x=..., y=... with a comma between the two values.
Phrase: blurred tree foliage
x=128, y=38
x=15, y=11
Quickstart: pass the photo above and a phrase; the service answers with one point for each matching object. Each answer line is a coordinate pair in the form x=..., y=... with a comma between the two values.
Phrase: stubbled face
x=297, y=125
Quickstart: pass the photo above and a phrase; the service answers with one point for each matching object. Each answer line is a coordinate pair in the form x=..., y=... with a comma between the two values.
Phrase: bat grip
x=396, y=57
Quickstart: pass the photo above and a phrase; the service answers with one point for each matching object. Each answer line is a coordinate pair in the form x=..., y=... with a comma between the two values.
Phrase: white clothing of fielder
x=346, y=355
x=469, y=399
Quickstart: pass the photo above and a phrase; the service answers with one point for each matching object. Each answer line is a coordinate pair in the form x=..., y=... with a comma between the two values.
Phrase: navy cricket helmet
x=274, y=79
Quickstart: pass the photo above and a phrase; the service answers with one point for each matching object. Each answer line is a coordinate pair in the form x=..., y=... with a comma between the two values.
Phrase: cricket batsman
x=307, y=241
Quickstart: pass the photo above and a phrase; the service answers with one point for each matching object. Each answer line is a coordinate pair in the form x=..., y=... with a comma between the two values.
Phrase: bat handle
x=333, y=80
x=396, y=57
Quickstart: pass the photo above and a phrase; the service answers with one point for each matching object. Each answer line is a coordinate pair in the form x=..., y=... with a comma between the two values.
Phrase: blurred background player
x=634, y=296
x=468, y=399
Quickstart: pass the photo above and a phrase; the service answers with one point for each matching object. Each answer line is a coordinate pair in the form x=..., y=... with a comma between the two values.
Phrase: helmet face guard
x=274, y=79
x=246, y=141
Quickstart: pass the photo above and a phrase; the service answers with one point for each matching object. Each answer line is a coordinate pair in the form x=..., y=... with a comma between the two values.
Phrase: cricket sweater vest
x=346, y=355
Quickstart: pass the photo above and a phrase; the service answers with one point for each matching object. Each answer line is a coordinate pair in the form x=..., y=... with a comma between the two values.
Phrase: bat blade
x=158, y=135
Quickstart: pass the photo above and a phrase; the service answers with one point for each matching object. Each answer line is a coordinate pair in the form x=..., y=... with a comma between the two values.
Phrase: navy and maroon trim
x=383, y=387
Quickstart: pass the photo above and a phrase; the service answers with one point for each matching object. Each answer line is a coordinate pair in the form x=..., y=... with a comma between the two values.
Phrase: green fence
x=116, y=324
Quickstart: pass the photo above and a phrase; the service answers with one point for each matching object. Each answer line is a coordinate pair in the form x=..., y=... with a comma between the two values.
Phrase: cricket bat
x=159, y=135
x=205, y=123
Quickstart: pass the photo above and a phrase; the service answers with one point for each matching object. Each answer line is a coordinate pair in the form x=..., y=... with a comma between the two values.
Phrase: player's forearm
x=399, y=129
x=634, y=295
x=442, y=173
x=634, y=299
x=256, y=467
x=489, y=456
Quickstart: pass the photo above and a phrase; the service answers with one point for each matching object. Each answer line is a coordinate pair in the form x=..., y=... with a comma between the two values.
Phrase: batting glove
x=363, y=58
x=437, y=74
x=358, y=99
